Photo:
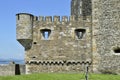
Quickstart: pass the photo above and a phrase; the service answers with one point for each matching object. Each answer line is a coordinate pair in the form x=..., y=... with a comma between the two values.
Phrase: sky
x=9, y=47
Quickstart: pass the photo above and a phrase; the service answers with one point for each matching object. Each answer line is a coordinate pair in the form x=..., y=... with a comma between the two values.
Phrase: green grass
x=61, y=77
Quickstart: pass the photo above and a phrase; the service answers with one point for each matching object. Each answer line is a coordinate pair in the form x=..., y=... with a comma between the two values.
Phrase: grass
x=47, y=76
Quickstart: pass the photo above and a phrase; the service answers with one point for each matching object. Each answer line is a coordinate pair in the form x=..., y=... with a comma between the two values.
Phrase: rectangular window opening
x=46, y=33
x=80, y=33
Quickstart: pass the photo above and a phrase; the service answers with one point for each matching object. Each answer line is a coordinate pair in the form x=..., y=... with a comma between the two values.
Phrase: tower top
x=81, y=8
x=24, y=14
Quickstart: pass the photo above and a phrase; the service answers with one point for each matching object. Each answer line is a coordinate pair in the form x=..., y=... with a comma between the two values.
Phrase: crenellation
x=56, y=18
x=65, y=19
x=48, y=18
x=41, y=18
x=35, y=18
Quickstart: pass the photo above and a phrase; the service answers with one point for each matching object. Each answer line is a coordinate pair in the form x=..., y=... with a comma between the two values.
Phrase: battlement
x=62, y=18
x=22, y=16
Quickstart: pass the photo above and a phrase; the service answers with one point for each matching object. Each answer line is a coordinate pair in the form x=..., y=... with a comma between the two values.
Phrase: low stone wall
x=11, y=69
x=7, y=70
x=22, y=69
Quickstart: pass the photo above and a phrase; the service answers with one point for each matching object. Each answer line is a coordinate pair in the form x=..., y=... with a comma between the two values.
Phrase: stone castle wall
x=62, y=45
x=89, y=37
x=106, y=35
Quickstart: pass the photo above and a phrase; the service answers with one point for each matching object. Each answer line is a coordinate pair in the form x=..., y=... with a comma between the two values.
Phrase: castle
x=89, y=37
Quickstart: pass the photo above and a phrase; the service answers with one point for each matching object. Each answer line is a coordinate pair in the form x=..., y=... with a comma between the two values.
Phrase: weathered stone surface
x=63, y=43
x=81, y=7
x=91, y=35
x=7, y=70
x=11, y=69
x=106, y=30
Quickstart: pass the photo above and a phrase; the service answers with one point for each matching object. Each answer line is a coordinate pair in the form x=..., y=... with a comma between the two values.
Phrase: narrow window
x=80, y=33
x=46, y=33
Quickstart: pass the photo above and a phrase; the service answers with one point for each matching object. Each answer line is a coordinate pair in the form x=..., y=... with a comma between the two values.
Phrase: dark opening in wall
x=34, y=42
x=17, y=69
x=80, y=33
x=34, y=57
x=117, y=50
x=46, y=33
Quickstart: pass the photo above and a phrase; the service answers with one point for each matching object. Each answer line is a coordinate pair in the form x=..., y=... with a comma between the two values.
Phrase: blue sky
x=9, y=47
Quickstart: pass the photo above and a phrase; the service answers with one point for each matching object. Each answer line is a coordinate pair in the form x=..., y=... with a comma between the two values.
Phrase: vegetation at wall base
x=49, y=76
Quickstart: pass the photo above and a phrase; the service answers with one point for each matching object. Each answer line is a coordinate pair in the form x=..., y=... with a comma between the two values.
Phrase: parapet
x=71, y=18
x=62, y=19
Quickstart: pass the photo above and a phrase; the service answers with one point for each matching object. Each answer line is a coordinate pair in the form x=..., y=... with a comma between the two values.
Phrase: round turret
x=24, y=29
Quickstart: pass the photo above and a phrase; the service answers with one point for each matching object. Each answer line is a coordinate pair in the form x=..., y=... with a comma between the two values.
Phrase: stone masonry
x=11, y=69
x=106, y=35
x=90, y=36
x=64, y=50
